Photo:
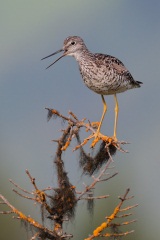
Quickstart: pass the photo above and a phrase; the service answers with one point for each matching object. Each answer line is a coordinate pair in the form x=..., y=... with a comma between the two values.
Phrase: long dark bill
x=52, y=55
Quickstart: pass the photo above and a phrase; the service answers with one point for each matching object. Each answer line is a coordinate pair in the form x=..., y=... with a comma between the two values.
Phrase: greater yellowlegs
x=103, y=74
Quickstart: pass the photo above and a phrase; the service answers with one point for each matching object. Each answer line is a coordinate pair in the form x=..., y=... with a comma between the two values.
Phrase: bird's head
x=72, y=46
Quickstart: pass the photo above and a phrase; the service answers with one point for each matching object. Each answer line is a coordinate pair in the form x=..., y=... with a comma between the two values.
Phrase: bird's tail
x=138, y=83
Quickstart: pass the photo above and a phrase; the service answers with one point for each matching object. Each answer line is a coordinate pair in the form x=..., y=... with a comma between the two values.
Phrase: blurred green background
x=30, y=30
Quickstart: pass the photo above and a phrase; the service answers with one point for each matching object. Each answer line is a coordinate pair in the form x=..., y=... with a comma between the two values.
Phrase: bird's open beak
x=54, y=54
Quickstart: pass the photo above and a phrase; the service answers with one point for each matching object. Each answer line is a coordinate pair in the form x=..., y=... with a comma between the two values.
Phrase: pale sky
x=31, y=30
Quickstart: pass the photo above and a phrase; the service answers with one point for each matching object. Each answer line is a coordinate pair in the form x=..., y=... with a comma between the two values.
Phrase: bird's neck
x=83, y=55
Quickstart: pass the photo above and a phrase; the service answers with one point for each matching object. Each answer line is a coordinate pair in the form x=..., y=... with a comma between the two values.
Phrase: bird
x=101, y=73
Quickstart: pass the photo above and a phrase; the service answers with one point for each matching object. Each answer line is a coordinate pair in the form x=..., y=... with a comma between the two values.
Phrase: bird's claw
x=109, y=140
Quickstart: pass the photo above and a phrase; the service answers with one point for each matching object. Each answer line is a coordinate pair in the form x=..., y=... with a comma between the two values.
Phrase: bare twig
x=96, y=180
x=77, y=124
x=104, y=225
x=60, y=204
x=92, y=198
x=29, y=220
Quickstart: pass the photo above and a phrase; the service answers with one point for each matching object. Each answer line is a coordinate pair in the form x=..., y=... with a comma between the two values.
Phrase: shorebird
x=102, y=73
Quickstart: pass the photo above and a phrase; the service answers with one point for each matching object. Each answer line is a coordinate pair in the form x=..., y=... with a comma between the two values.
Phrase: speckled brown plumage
x=103, y=74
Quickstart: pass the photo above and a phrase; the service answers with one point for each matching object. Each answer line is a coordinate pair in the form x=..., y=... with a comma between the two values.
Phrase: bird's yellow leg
x=105, y=138
x=98, y=135
x=116, y=117
x=103, y=114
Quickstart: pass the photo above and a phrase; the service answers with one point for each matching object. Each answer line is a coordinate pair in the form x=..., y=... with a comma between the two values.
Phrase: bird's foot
x=109, y=140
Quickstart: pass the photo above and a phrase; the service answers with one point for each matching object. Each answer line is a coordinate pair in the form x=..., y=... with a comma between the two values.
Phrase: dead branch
x=107, y=224
x=60, y=202
x=76, y=125
x=30, y=220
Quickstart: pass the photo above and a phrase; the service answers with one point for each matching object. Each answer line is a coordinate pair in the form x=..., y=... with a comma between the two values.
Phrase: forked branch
x=109, y=222
x=76, y=124
x=59, y=204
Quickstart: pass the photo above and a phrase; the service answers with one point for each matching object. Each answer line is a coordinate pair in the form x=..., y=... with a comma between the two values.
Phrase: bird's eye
x=73, y=43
